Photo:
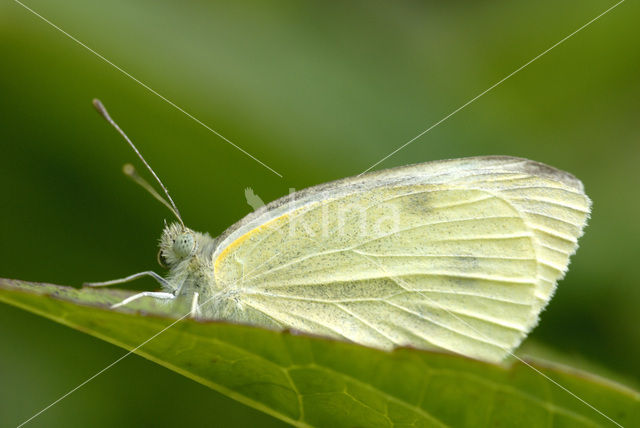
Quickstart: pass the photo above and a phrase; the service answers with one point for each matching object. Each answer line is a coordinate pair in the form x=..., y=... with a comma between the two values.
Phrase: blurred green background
x=318, y=91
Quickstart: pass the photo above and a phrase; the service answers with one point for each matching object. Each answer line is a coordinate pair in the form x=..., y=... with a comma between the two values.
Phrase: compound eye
x=184, y=245
x=162, y=261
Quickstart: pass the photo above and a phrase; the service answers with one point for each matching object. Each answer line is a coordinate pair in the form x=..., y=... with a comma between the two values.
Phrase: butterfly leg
x=156, y=294
x=194, y=305
x=135, y=276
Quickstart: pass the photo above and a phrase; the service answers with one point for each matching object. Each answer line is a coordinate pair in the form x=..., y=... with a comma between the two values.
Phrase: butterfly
x=459, y=255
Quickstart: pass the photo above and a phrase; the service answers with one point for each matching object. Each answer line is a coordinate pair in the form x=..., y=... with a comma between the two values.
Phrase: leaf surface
x=310, y=381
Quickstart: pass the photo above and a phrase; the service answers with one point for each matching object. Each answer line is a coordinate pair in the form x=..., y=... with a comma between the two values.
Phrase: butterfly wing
x=460, y=255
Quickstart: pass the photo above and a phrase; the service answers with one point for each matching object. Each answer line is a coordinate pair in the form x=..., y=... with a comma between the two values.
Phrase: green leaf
x=310, y=381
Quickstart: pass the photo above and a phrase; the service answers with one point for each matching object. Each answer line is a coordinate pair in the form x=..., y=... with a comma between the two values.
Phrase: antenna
x=130, y=171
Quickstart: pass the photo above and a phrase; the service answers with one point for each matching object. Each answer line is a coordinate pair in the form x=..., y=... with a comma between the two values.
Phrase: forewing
x=460, y=255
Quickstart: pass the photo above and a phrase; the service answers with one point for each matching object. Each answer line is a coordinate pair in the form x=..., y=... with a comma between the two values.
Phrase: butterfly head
x=177, y=243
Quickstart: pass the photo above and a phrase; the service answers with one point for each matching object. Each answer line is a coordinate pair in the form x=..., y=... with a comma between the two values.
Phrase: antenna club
x=97, y=104
x=128, y=169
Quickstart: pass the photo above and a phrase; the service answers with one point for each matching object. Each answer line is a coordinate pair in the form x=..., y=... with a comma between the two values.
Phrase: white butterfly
x=460, y=255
